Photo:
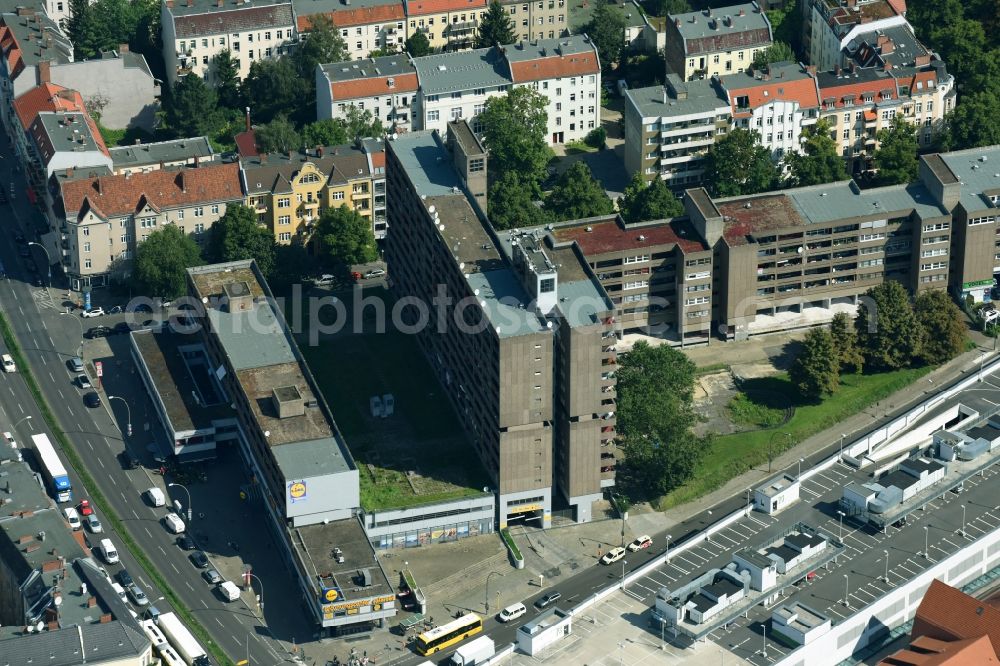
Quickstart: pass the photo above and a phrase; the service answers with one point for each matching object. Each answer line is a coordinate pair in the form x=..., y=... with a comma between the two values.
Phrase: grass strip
x=728, y=456
x=509, y=540
x=709, y=369
x=97, y=497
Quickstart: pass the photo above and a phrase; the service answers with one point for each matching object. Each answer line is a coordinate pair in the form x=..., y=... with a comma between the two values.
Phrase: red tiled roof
x=246, y=144
x=120, y=195
x=924, y=651
x=46, y=97
x=727, y=41
x=899, y=6
x=802, y=91
x=346, y=18
x=550, y=68
x=12, y=52
x=370, y=87
x=948, y=614
x=610, y=236
x=765, y=213
x=378, y=159
x=425, y=7
x=855, y=91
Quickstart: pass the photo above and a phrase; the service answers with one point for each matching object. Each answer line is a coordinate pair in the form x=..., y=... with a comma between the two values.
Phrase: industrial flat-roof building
x=522, y=367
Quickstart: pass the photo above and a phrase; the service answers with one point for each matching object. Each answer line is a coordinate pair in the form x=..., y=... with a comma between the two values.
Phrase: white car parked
x=613, y=555
x=93, y=312
x=8, y=363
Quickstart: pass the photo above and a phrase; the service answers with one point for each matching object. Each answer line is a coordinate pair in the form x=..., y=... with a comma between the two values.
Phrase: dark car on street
x=548, y=600
x=199, y=559
x=124, y=577
x=185, y=542
x=98, y=332
x=92, y=400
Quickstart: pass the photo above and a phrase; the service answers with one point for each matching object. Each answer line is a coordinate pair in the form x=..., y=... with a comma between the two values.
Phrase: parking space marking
x=756, y=520
x=723, y=536
x=688, y=561
x=804, y=489
x=814, y=481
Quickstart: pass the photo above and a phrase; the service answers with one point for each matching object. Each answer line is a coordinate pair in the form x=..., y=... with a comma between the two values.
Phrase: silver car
x=93, y=523
x=136, y=594
x=76, y=364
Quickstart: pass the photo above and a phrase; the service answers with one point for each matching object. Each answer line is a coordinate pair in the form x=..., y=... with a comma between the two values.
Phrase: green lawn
x=730, y=455
x=423, y=435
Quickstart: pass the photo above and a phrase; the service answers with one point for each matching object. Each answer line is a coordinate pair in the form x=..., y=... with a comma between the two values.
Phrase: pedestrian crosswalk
x=43, y=299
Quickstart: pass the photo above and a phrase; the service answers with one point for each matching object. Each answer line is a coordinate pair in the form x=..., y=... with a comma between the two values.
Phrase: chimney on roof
x=887, y=67
x=218, y=3
x=248, y=119
x=190, y=3
x=677, y=22
x=742, y=12
x=854, y=67
x=837, y=70
x=170, y=4
x=44, y=72
x=851, y=4
x=291, y=154
x=811, y=70
x=180, y=181
x=708, y=11
x=69, y=172
x=888, y=46
x=25, y=11
x=122, y=48
x=319, y=151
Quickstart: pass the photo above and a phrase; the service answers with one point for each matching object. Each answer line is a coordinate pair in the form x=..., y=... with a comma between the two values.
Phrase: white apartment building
x=832, y=27
x=456, y=85
x=106, y=216
x=195, y=31
x=365, y=25
x=387, y=86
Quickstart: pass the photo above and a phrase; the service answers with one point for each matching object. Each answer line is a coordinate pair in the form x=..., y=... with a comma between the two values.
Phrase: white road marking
x=189, y=586
x=88, y=443
x=174, y=567
x=148, y=532
x=59, y=391
x=136, y=516
x=112, y=477
x=100, y=461
x=162, y=551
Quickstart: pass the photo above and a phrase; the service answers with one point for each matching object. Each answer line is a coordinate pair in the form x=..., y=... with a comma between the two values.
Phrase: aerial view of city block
x=499, y=332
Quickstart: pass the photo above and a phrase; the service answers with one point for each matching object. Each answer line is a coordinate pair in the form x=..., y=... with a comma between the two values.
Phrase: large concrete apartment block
x=513, y=296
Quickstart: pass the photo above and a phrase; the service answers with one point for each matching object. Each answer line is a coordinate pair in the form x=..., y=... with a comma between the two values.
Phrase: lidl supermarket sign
x=296, y=491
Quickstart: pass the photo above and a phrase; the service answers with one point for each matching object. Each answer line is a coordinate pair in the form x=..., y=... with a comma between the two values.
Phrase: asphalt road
x=49, y=339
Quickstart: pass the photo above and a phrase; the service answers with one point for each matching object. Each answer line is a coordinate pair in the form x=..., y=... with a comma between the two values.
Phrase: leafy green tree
x=896, y=157
x=277, y=136
x=87, y=31
x=161, y=261
x=815, y=372
x=738, y=164
x=320, y=46
x=237, y=235
x=606, y=30
x=845, y=340
x=346, y=237
x=495, y=28
x=193, y=108
x=776, y=52
x=291, y=263
x=786, y=25
x=670, y=7
x=819, y=161
x=944, y=332
x=326, y=132
x=655, y=416
x=362, y=124
x=418, y=45
x=889, y=334
x=515, y=127
x=226, y=74
x=274, y=87
x=972, y=123
x=577, y=195
x=378, y=53
x=511, y=203
x=643, y=202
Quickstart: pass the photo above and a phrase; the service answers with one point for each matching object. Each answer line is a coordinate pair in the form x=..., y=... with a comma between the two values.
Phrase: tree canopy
x=944, y=331
x=326, y=132
x=738, y=164
x=819, y=161
x=237, y=235
x=845, y=341
x=577, y=195
x=655, y=416
x=776, y=52
x=668, y=7
x=277, y=136
x=511, y=203
x=896, y=156
x=106, y=24
x=161, y=262
x=815, y=372
x=514, y=129
x=418, y=45
x=655, y=201
x=972, y=123
x=889, y=334
x=495, y=27
x=345, y=237
x=607, y=30
x=273, y=88
x=320, y=46
x=193, y=108
x=226, y=75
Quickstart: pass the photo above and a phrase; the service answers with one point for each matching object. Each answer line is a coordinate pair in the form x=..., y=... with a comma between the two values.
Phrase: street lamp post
x=748, y=500
x=188, y=492
x=20, y=421
x=260, y=597
x=841, y=458
x=982, y=357
x=847, y=603
x=48, y=264
x=927, y=554
x=624, y=562
x=886, y=553
x=763, y=652
x=841, y=516
x=963, y=522
x=128, y=412
x=799, y=475
x=487, y=597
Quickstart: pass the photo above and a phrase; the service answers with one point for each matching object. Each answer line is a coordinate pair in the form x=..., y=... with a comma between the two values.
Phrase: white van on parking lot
x=108, y=551
x=155, y=496
x=512, y=612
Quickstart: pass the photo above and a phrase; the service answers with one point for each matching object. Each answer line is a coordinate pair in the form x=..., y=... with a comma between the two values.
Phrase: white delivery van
x=512, y=612
x=120, y=591
x=72, y=517
x=155, y=497
x=229, y=590
x=108, y=551
x=173, y=523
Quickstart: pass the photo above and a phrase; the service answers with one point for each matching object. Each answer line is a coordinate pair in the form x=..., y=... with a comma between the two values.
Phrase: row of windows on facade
x=729, y=63
x=148, y=222
x=206, y=41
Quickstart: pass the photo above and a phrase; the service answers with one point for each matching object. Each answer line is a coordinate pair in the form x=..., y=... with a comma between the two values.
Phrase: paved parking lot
x=861, y=575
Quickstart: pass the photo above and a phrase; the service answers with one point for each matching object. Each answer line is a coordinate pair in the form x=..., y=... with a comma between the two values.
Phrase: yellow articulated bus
x=443, y=637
